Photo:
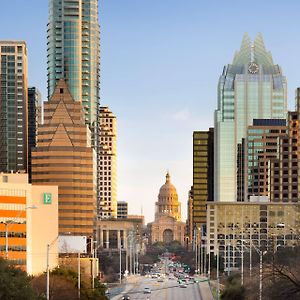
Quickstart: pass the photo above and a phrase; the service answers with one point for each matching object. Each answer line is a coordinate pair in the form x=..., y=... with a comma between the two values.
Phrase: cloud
x=181, y=115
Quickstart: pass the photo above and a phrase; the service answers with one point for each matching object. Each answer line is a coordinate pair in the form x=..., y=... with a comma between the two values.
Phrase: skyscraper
x=35, y=106
x=203, y=173
x=64, y=157
x=284, y=171
x=260, y=147
x=252, y=87
x=73, y=37
x=13, y=106
x=73, y=53
x=107, y=164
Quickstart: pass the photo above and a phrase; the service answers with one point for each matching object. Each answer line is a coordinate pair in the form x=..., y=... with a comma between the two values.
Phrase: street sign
x=47, y=198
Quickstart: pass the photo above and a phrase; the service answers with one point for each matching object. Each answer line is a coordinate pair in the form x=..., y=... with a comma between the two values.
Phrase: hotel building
x=29, y=216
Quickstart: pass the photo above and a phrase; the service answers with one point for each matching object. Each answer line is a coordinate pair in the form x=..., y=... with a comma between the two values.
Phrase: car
x=183, y=285
x=147, y=290
x=126, y=297
x=160, y=279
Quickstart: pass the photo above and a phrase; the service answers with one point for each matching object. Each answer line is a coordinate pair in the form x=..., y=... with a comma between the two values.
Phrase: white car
x=147, y=290
x=183, y=285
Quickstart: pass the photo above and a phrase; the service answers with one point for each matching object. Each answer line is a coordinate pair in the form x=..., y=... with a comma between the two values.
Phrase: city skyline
x=182, y=97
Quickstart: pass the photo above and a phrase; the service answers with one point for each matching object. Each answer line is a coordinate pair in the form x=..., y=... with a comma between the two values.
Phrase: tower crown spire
x=253, y=52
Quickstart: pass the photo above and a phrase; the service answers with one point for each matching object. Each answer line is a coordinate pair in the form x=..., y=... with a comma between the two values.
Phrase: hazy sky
x=160, y=64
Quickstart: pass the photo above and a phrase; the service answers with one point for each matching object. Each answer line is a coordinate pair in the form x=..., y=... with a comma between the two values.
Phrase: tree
x=15, y=283
x=63, y=285
x=233, y=289
x=282, y=274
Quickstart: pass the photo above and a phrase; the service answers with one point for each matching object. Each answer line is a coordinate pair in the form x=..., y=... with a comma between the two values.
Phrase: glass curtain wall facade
x=252, y=87
x=13, y=106
x=35, y=106
x=73, y=51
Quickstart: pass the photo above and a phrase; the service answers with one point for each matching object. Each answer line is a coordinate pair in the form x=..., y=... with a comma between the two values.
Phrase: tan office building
x=64, y=157
x=107, y=164
x=29, y=215
x=232, y=227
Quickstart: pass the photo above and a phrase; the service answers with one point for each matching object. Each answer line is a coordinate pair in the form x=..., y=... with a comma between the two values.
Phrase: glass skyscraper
x=252, y=87
x=73, y=52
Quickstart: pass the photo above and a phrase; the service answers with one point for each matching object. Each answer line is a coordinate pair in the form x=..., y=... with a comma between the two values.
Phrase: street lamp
x=10, y=223
x=218, y=275
x=261, y=253
x=47, y=269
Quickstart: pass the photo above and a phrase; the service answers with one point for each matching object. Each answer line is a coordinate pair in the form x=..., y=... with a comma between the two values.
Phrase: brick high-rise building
x=285, y=171
x=64, y=157
x=258, y=149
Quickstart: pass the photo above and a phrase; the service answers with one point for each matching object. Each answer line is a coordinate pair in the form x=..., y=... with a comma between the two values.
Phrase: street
x=167, y=290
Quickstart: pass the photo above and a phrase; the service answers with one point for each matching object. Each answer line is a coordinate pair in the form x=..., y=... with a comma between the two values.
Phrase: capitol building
x=167, y=226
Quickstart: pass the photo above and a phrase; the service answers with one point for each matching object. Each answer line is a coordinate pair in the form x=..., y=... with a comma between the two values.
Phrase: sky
x=160, y=65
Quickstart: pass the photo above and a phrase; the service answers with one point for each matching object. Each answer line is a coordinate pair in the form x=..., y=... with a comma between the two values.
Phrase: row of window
x=13, y=248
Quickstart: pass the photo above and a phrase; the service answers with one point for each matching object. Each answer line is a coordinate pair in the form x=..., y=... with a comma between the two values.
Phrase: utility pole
x=196, y=250
x=120, y=264
x=218, y=276
x=260, y=274
x=78, y=275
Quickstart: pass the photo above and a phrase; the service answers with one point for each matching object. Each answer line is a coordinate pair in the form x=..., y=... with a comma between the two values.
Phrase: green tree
x=15, y=283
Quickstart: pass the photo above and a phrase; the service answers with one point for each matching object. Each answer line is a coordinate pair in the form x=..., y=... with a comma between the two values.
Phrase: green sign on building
x=47, y=198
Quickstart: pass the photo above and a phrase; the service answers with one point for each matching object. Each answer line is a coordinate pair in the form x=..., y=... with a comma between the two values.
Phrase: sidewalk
x=204, y=288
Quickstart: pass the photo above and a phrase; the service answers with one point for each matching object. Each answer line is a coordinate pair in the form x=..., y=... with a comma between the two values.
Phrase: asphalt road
x=167, y=290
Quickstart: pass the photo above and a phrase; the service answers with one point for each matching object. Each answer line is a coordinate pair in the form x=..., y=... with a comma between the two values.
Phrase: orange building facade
x=29, y=219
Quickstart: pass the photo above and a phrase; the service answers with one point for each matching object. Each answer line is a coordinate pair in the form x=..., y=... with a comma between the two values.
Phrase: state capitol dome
x=167, y=193
x=168, y=204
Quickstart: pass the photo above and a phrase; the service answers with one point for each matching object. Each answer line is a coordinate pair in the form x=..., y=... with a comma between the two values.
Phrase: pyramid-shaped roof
x=253, y=52
x=63, y=121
